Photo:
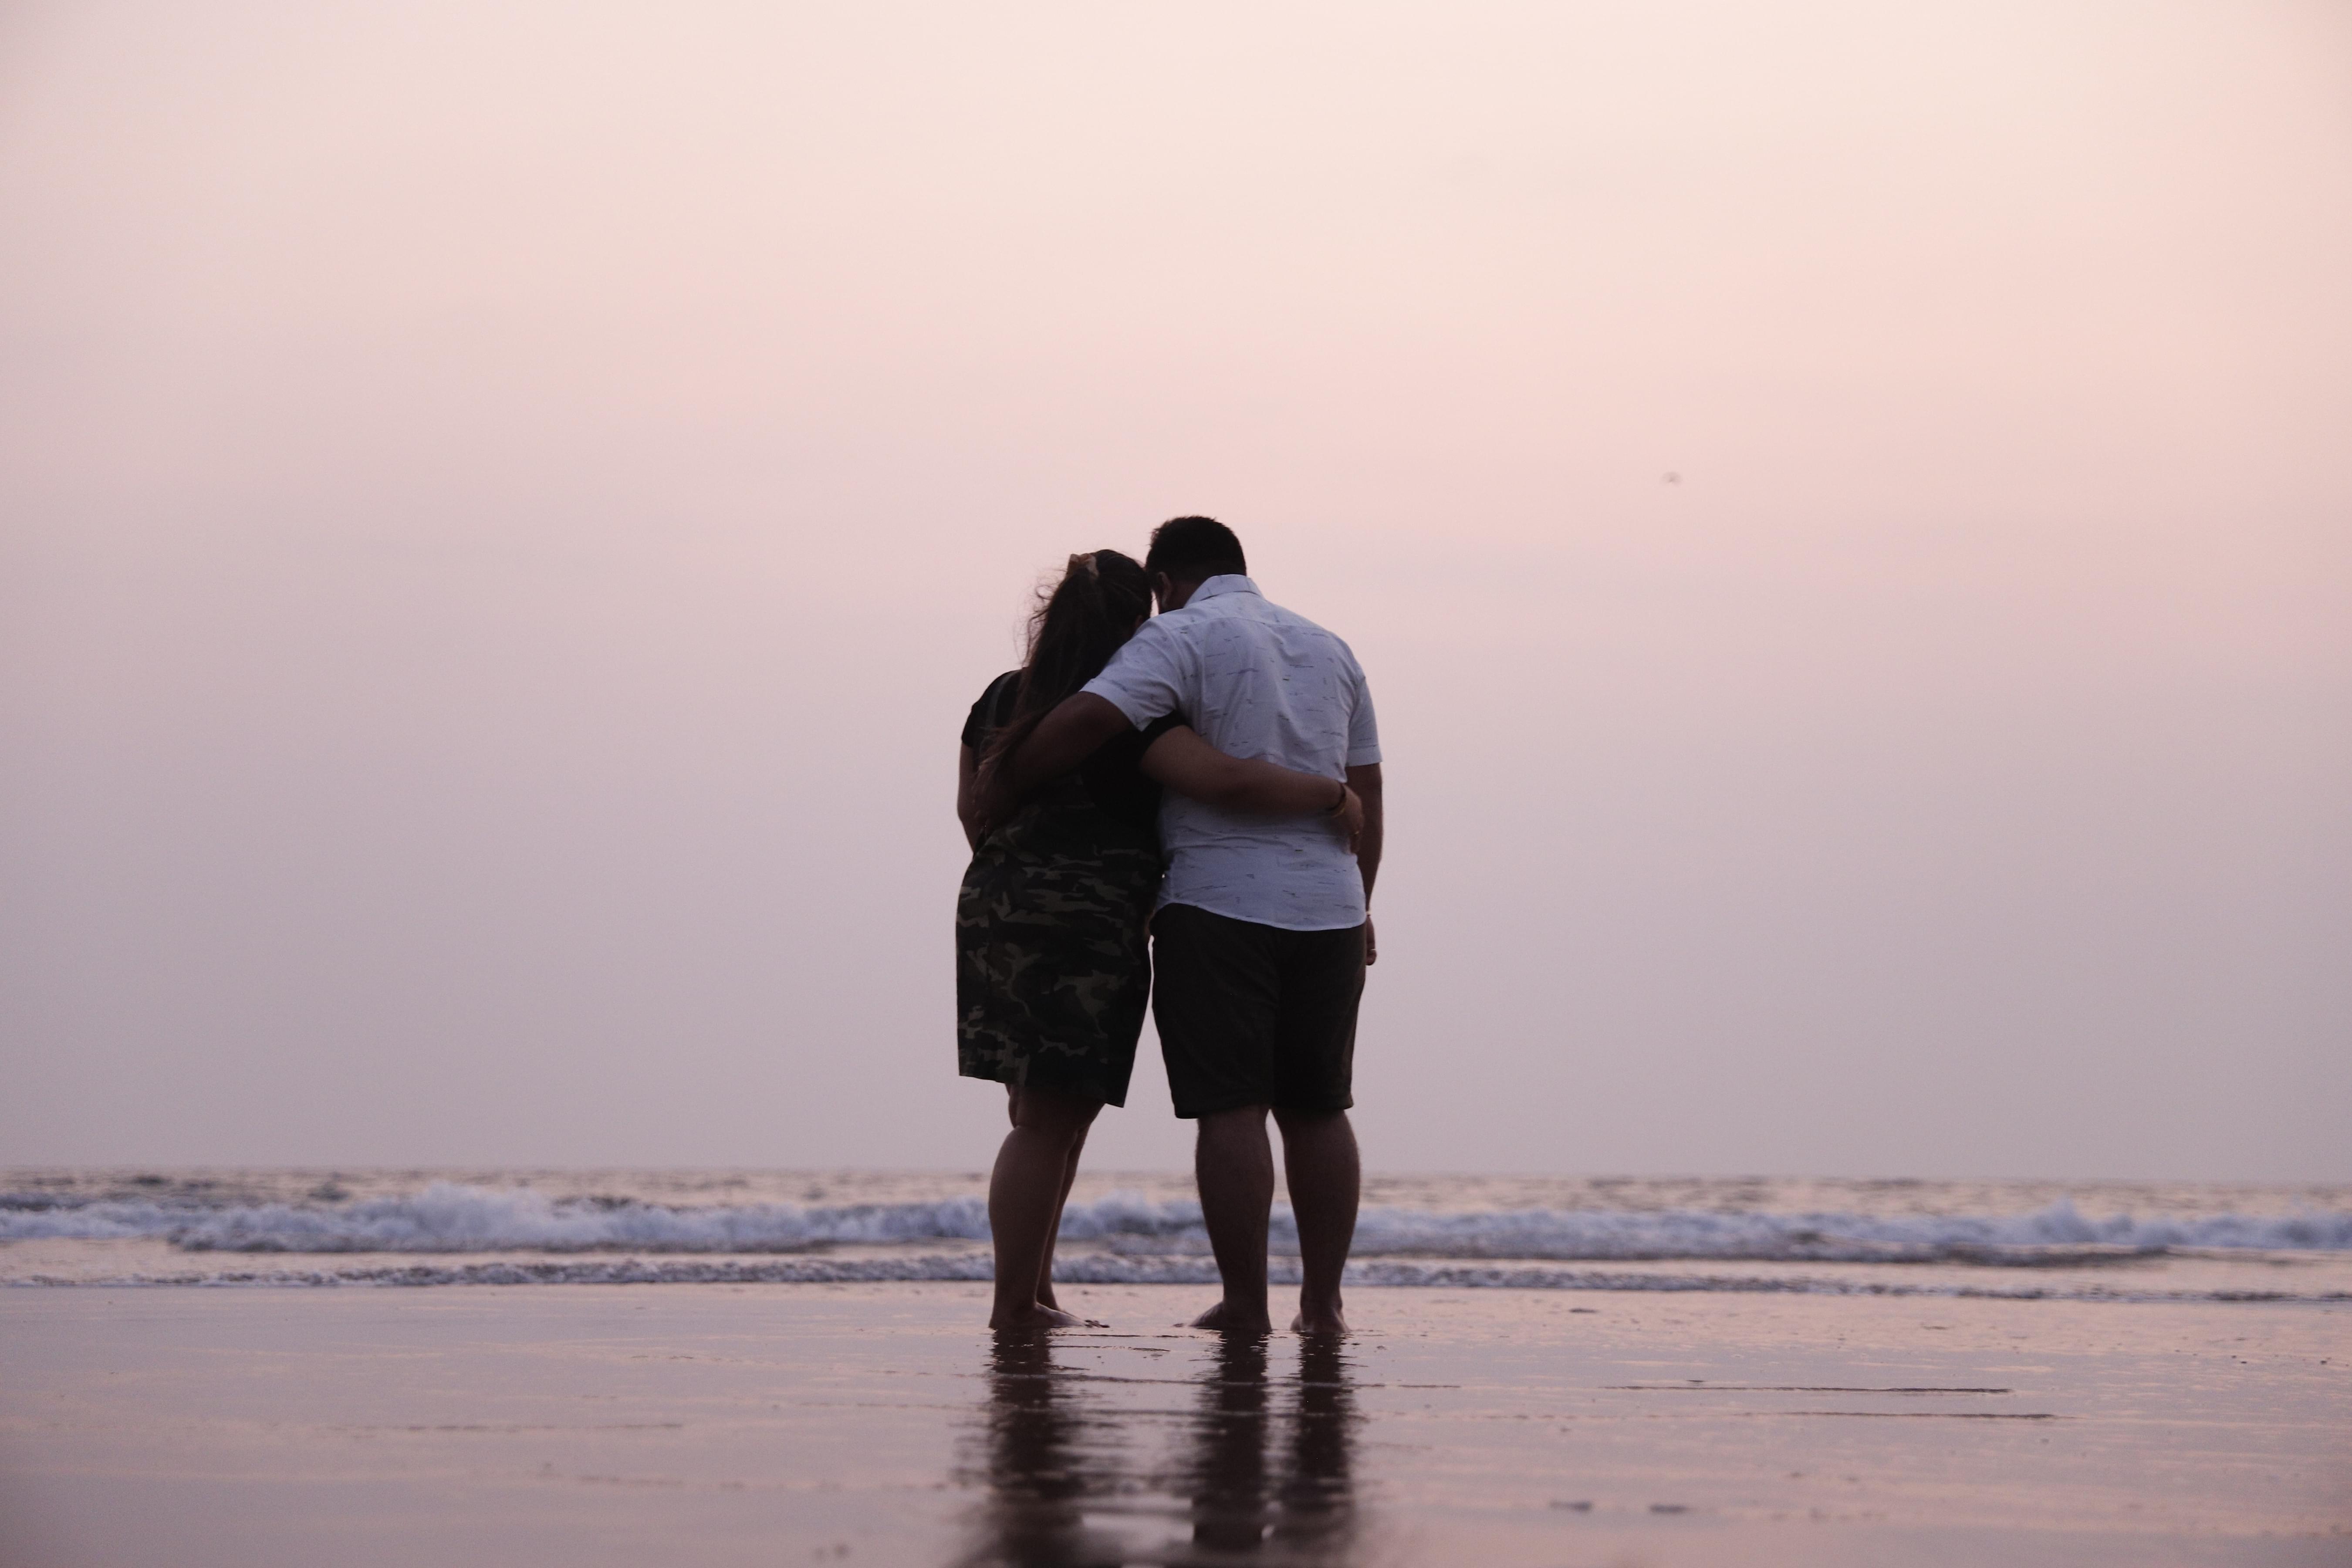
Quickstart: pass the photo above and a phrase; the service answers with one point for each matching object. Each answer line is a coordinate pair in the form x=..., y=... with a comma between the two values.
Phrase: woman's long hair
x=1077, y=625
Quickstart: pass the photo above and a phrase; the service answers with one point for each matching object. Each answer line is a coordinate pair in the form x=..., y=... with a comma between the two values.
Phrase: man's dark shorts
x=1254, y=1014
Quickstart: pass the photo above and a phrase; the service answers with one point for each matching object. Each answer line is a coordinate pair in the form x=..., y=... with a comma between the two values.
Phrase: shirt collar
x=1217, y=587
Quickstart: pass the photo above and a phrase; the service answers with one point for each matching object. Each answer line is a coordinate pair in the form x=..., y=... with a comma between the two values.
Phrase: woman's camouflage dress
x=1052, y=969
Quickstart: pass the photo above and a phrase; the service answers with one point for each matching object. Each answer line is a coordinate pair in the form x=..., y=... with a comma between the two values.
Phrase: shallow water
x=2022, y=1240
x=881, y=1424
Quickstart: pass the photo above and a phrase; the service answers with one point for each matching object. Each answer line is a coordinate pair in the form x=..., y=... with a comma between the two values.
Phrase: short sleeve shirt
x=1258, y=681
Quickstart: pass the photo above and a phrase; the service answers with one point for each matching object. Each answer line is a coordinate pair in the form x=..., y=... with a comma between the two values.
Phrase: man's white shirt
x=1254, y=681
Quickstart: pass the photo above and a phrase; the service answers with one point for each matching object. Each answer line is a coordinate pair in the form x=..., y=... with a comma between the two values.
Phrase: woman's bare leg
x=1045, y=1297
x=1024, y=1200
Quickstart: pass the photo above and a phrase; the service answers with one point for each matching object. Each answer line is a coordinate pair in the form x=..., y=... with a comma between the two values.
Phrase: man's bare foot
x=1036, y=1318
x=1321, y=1322
x=1223, y=1320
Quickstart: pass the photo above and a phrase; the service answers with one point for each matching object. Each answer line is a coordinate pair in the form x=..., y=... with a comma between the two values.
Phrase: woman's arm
x=968, y=794
x=1190, y=766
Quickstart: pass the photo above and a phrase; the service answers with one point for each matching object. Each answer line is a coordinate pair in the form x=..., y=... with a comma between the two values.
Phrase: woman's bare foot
x=1053, y=1303
x=1036, y=1318
x=1223, y=1320
x=1323, y=1321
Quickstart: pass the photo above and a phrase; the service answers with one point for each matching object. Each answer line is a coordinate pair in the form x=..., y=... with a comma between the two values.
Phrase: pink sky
x=500, y=516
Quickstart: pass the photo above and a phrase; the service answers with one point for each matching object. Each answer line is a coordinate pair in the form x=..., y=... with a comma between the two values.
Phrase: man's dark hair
x=1193, y=549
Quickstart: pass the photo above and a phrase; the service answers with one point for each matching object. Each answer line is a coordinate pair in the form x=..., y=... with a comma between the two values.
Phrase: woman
x=1052, y=967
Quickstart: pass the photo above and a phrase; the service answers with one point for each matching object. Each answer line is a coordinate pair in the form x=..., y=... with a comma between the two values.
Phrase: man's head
x=1186, y=552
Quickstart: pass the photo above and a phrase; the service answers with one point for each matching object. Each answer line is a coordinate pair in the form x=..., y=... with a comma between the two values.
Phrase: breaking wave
x=1139, y=1234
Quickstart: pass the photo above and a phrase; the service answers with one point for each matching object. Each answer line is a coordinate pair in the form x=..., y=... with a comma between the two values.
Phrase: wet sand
x=591, y=1424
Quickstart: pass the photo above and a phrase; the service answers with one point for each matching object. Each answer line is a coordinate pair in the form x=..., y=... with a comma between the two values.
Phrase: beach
x=879, y=1422
x=1801, y=549
x=273, y=1366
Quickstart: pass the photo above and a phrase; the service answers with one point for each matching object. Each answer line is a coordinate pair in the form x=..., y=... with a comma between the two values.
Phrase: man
x=1263, y=926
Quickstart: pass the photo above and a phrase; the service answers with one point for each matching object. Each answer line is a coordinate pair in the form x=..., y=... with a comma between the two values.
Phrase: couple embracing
x=1200, y=788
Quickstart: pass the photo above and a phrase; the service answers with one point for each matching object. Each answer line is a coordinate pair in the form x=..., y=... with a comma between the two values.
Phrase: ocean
x=2077, y=1241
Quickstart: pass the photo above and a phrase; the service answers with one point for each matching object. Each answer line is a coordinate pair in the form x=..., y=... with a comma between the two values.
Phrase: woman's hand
x=1349, y=818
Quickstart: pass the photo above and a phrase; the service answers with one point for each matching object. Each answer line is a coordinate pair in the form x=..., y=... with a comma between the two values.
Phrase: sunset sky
x=1846, y=510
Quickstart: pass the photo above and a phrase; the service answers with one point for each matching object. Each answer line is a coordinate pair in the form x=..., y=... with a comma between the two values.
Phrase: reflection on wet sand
x=1088, y=1470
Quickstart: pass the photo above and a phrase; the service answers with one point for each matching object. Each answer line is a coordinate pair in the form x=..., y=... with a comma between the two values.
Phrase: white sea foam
x=454, y=1218
x=2057, y=1232
x=1106, y=1270
x=447, y=1217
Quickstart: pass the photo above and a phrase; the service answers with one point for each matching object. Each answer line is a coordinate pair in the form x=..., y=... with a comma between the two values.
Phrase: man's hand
x=1372, y=942
x=991, y=805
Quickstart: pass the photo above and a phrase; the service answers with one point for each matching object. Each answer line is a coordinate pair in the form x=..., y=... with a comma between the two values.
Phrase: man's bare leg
x=1024, y=1200
x=1318, y=1156
x=1045, y=1297
x=1234, y=1164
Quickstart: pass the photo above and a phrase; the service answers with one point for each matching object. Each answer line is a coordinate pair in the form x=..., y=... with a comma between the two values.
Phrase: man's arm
x=1062, y=739
x=1365, y=780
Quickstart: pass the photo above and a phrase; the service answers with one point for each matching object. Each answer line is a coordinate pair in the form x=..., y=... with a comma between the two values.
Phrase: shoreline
x=2180, y=1276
